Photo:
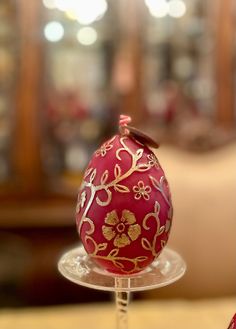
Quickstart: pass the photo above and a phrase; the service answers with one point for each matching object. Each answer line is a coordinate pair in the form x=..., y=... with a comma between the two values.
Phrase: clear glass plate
x=78, y=267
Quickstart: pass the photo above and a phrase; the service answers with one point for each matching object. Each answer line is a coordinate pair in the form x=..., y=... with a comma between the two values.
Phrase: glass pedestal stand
x=77, y=267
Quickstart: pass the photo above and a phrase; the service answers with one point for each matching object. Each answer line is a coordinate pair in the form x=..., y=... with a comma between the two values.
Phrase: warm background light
x=53, y=31
x=86, y=12
x=177, y=8
x=87, y=36
x=50, y=4
x=157, y=8
x=162, y=8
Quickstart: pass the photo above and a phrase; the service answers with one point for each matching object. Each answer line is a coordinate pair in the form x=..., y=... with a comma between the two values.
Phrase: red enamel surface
x=120, y=201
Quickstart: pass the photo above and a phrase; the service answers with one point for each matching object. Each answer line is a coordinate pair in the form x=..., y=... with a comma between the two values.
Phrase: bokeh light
x=162, y=8
x=87, y=36
x=50, y=4
x=157, y=8
x=53, y=31
x=177, y=8
x=86, y=12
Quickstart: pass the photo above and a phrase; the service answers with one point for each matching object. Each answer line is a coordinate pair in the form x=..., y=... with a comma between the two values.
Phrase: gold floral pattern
x=104, y=148
x=123, y=230
x=153, y=162
x=142, y=191
x=81, y=201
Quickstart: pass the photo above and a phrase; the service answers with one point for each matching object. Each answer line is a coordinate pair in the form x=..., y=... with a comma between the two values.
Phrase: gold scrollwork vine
x=105, y=186
x=146, y=244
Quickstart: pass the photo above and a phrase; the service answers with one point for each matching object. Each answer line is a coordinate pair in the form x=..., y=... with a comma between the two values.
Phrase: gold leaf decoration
x=163, y=243
x=87, y=172
x=118, y=264
x=104, y=177
x=162, y=229
x=102, y=246
x=146, y=244
x=143, y=167
x=159, y=186
x=91, y=178
x=113, y=252
x=117, y=171
x=141, y=258
x=139, y=154
x=121, y=188
x=155, y=182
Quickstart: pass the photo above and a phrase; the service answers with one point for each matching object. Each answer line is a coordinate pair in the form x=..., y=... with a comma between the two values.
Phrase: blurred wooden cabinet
x=61, y=106
x=66, y=74
x=9, y=63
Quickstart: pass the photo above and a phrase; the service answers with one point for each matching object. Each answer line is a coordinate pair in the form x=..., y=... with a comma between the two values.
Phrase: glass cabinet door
x=8, y=74
x=78, y=108
x=179, y=64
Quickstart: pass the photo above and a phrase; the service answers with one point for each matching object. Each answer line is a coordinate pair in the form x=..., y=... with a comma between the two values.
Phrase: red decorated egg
x=124, y=209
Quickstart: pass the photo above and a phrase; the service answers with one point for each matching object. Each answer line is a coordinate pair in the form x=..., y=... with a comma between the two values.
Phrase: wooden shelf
x=41, y=213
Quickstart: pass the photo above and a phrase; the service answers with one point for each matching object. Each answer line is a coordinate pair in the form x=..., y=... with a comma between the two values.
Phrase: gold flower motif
x=153, y=162
x=123, y=230
x=104, y=148
x=142, y=191
x=81, y=201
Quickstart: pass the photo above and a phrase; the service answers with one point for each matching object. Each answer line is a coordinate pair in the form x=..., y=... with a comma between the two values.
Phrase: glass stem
x=122, y=302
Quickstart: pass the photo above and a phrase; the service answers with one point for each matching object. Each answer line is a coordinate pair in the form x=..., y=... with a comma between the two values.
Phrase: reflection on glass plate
x=78, y=267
